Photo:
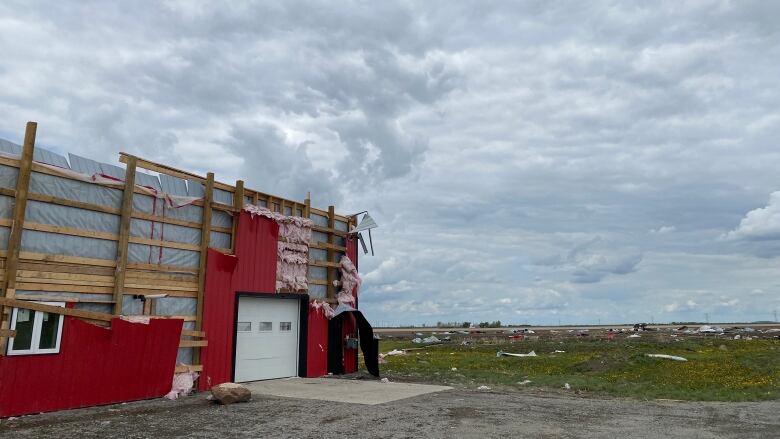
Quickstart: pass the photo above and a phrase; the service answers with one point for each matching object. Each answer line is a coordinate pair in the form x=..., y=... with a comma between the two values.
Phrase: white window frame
x=36, y=333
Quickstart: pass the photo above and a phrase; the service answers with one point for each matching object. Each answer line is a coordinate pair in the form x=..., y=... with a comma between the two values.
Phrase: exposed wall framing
x=126, y=225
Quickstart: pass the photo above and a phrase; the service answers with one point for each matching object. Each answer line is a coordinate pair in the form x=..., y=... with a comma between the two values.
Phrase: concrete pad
x=341, y=390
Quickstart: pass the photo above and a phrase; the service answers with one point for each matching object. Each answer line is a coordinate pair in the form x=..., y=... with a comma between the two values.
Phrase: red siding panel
x=95, y=366
x=349, y=326
x=317, y=349
x=251, y=270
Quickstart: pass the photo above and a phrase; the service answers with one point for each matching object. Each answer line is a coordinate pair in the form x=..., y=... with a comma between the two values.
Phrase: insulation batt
x=350, y=282
x=292, y=249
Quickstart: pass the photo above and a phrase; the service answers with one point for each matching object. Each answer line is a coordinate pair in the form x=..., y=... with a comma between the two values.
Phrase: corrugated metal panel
x=251, y=270
x=317, y=349
x=95, y=366
x=256, y=247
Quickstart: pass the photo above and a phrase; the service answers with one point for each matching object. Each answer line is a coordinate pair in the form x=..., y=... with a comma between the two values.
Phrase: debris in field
x=668, y=357
x=419, y=334
x=454, y=369
x=558, y=352
x=524, y=382
x=509, y=354
x=384, y=380
x=426, y=340
x=567, y=386
x=634, y=336
x=483, y=388
x=707, y=329
x=396, y=352
x=737, y=337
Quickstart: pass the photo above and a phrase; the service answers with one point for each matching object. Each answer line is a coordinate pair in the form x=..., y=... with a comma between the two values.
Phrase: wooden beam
x=191, y=333
x=124, y=234
x=205, y=234
x=331, y=289
x=238, y=203
x=89, y=315
x=193, y=343
x=15, y=237
x=186, y=368
x=169, y=170
x=7, y=333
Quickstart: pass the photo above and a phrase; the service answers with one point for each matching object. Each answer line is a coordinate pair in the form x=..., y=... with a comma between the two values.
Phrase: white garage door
x=266, y=338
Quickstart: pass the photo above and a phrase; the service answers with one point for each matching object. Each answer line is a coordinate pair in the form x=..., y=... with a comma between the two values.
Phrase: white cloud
x=760, y=224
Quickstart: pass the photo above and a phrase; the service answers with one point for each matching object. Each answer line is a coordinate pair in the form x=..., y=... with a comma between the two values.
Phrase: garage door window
x=244, y=327
x=285, y=326
x=266, y=326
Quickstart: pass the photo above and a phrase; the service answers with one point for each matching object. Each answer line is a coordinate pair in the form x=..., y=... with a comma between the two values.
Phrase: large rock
x=228, y=393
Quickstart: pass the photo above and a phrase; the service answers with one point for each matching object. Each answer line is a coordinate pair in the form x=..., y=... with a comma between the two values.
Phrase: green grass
x=742, y=371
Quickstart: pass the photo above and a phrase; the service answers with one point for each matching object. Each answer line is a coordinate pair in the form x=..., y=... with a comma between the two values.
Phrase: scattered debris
x=454, y=369
x=707, y=329
x=558, y=352
x=737, y=337
x=567, y=386
x=385, y=380
x=229, y=393
x=426, y=340
x=668, y=357
x=634, y=336
x=483, y=388
x=524, y=382
x=509, y=354
x=182, y=385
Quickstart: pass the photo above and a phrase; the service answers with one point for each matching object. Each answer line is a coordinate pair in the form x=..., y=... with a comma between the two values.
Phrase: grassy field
x=717, y=369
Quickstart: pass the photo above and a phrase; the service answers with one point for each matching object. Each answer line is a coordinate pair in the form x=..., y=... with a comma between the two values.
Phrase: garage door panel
x=266, y=338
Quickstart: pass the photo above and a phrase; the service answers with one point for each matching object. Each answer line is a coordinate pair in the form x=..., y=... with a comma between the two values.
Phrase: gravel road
x=454, y=413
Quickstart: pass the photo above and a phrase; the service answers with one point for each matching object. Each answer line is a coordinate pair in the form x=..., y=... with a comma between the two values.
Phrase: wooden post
x=254, y=198
x=15, y=238
x=331, y=289
x=238, y=204
x=205, y=237
x=124, y=234
x=307, y=206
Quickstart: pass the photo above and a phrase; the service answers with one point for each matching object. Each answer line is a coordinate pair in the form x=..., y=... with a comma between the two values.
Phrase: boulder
x=229, y=393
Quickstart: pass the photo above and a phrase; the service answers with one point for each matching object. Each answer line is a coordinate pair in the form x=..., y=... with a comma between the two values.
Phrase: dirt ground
x=453, y=413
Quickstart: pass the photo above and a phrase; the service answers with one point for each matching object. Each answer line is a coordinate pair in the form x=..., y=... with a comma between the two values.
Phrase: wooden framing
x=205, y=237
x=15, y=238
x=108, y=281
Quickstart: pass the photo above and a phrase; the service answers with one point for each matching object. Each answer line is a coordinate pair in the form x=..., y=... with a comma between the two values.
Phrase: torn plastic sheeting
x=707, y=329
x=667, y=357
x=426, y=340
x=509, y=354
x=183, y=384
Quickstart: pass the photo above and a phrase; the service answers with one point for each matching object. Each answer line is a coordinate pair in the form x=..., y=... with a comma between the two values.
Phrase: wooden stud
x=124, y=234
x=238, y=203
x=193, y=343
x=15, y=237
x=187, y=368
x=331, y=289
x=204, y=246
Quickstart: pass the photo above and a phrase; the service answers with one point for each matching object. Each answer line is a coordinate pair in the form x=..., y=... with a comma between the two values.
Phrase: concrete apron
x=341, y=390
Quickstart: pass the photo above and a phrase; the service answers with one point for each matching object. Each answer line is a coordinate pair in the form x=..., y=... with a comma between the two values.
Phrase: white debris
x=567, y=386
x=509, y=354
x=558, y=352
x=396, y=352
x=417, y=340
x=668, y=357
x=431, y=339
x=634, y=336
x=737, y=337
x=454, y=369
x=483, y=388
x=707, y=329
x=385, y=380
x=524, y=382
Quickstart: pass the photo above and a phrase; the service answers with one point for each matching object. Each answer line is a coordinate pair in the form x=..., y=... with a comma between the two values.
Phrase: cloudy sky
x=535, y=162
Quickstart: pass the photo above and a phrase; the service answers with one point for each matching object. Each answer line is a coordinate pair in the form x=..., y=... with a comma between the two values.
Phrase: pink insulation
x=350, y=282
x=293, y=248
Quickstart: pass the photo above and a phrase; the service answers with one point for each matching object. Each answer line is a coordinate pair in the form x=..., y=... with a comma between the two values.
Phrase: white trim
x=36, y=332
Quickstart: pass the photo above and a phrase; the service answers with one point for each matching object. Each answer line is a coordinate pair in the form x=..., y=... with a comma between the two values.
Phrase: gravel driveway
x=453, y=413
